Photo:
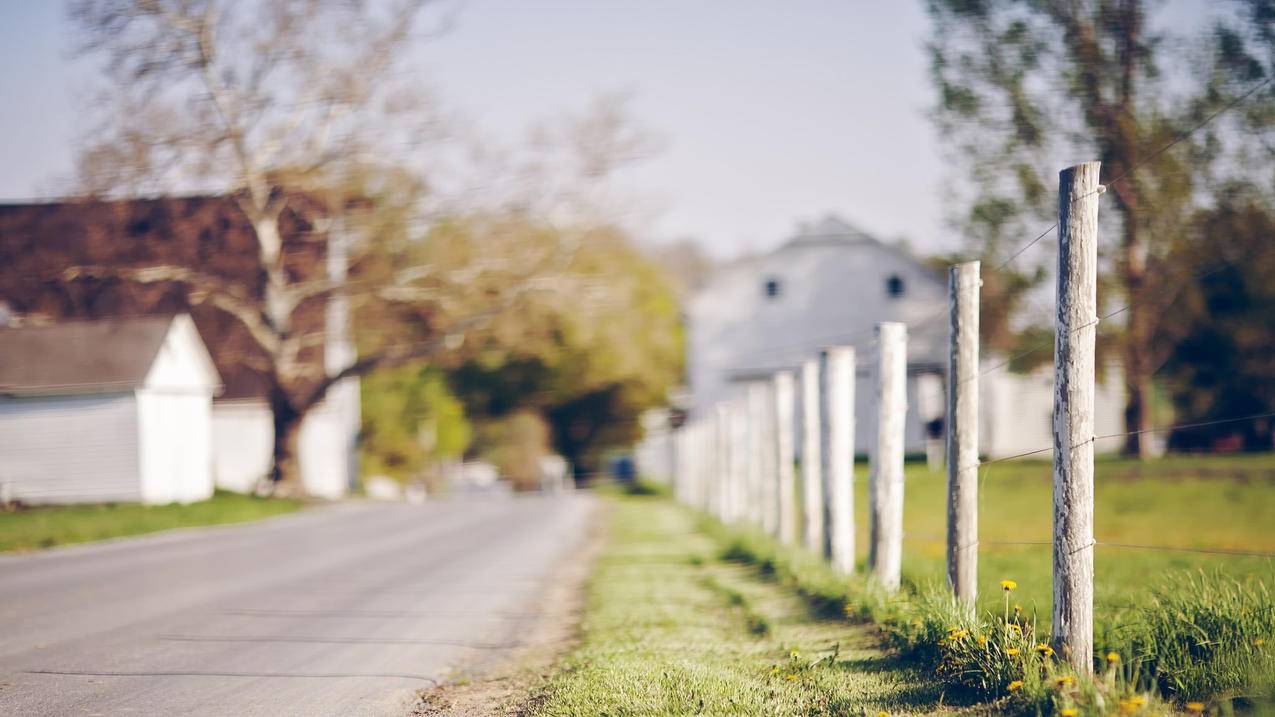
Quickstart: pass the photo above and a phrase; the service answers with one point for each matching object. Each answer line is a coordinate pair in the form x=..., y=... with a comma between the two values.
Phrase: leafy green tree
x=1217, y=346
x=1022, y=84
x=410, y=422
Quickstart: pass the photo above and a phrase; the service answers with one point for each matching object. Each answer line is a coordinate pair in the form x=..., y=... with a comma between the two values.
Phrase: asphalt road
x=344, y=610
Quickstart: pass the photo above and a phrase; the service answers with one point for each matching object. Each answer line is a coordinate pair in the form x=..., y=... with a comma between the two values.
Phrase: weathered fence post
x=756, y=398
x=962, y=433
x=837, y=450
x=886, y=486
x=767, y=490
x=721, y=473
x=741, y=457
x=1074, y=336
x=811, y=480
x=785, y=482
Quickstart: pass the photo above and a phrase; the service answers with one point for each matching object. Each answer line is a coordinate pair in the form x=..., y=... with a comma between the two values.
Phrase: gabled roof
x=98, y=356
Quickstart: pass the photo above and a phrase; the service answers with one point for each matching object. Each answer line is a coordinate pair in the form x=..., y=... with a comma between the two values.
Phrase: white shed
x=106, y=410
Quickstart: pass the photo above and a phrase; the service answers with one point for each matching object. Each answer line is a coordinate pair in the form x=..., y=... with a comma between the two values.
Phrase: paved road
x=345, y=610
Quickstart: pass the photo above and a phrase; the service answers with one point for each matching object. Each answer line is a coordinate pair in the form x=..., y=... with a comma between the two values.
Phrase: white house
x=106, y=410
x=831, y=284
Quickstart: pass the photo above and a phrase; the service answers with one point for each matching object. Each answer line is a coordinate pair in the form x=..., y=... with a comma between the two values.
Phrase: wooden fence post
x=785, y=482
x=886, y=486
x=837, y=367
x=741, y=457
x=962, y=433
x=721, y=471
x=1074, y=337
x=811, y=480
x=767, y=490
x=756, y=439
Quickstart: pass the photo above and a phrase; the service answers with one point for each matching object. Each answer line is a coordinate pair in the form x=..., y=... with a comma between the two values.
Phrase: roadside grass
x=47, y=526
x=1191, y=627
x=671, y=629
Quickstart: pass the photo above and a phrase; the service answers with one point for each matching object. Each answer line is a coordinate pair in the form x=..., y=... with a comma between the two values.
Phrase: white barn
x=831, y=284
x=106, y=410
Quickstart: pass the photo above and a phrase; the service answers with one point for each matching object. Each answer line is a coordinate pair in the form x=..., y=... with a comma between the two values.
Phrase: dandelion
x=883, y=713
x=1137, y=700
x=1011, y=651
x=1018, y=609
x=1068, y=712
x=1014, y=686
x=1008, y=585
x=982, y=640
x=1127, y=707
x=958, y=635
x=1045, y=650
x=791, y=678
x=1015, y=629
x=794, y=654
x=1064, y=681
x=1112, y=658
x=1195, y=707
x=774, y=670
x=1259, y=642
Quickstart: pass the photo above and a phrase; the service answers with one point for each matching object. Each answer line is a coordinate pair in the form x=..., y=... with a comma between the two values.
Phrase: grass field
x=670, y=629
x=44, y=527
x=1226, y=503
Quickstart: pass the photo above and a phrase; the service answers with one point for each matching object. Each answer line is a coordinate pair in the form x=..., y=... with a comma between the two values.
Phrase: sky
x=766, y=113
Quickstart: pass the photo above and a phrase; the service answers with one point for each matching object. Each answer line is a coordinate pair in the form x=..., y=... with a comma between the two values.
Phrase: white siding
x=175, y=446
x=1018, y=412
x=70, y=449
x=242, y=438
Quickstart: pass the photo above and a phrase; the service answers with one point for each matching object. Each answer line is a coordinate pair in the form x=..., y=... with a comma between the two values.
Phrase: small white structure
x=107, y=410
x=832, y=284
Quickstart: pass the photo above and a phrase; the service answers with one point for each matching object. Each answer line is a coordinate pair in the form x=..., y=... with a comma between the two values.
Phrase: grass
x=672, y=629
x=1217, y=502
x=1185, y=626
x=44, y=527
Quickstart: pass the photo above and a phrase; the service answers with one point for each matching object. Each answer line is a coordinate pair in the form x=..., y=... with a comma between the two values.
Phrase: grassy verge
x=44, y=527
x=672, y=629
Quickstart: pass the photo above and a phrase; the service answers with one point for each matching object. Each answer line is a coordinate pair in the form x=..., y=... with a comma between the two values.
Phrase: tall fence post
x=756, y=399
x=767, y=489
x=722, y=468
x=962, y=433
x=1074, y=337
x=785, y=481
x=811, y=480
x=837, y=367
x=886, y=486
x=740, y=458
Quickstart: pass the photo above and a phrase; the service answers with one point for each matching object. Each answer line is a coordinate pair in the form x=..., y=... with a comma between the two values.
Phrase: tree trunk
x=285, y=470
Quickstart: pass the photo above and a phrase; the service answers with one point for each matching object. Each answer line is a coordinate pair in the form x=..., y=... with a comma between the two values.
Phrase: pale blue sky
x=770, y=112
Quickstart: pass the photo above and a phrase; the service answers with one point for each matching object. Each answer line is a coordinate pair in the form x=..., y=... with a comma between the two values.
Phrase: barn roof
x=80, y=356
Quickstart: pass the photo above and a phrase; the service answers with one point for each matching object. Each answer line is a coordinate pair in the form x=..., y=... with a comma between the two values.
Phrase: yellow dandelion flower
x=1127, y=707
x=982, y=640
x=1113, y=658
x=1014, y=686
x=958, y=635
x=794, y=654
x=1137, y=700
x=1068, y=712
x=1045, y=650
x=1018, y=609
x=1064, y=681
x=774, y=670
x=1195, y=707
x=791, y=678
x=1015, y=629
x=1011, y=651
x=1259, y=642
x=1008, y=585
x=883, y=713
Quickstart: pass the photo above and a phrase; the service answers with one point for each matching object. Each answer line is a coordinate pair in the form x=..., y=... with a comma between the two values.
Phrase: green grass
x=1226, y=502
x=1187, y=626
x=671, y=629
x=43, y=527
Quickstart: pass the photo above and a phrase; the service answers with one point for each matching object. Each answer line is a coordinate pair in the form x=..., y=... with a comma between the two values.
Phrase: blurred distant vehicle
x=555, y=474
x=473, y=477
x=108, y=410
x=382, y=488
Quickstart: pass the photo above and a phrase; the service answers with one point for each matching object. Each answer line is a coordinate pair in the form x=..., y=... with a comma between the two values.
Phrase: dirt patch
x=504, y=687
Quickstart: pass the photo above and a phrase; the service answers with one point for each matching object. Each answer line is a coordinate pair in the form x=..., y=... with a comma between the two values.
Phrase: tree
x=281, y=103
x=1022, y=83
x=1216, y=346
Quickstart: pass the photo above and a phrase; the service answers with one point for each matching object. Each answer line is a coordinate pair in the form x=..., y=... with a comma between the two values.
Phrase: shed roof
x=80, y=356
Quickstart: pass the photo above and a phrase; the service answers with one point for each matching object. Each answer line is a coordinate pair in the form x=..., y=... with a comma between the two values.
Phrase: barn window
x=894, y=286
x=772, y=288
